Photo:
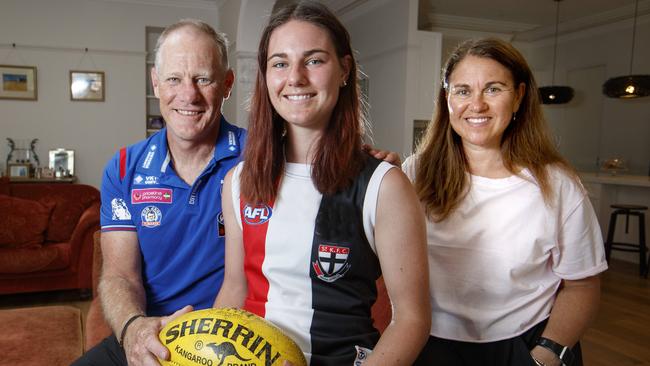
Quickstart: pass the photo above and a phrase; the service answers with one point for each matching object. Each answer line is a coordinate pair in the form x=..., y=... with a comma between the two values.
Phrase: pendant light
x=630, y=86
x=556, y=94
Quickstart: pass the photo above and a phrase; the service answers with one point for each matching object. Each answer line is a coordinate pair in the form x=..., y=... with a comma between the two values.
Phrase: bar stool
x=610, y=244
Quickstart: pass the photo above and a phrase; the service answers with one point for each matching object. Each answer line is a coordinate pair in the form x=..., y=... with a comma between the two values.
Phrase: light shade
x=630, y=86
x=556, y=94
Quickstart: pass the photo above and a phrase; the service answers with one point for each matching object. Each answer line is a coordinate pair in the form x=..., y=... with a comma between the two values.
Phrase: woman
x=313, y=221
x=514, y=245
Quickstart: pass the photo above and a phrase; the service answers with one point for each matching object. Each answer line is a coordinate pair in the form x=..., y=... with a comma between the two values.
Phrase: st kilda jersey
x=311, y=265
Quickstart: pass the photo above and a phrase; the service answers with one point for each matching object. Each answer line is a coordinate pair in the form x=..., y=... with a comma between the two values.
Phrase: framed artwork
x=62, y=162
x=87, y=86
x=18, y=170
x=18, y=82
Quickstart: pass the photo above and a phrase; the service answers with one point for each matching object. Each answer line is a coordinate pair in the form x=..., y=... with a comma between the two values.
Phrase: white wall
x=402, y=66
x=51, y=35
x=244, y=21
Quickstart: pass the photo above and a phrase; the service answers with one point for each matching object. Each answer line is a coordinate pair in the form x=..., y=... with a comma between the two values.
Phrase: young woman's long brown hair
x=441, y=179
x=338, y=156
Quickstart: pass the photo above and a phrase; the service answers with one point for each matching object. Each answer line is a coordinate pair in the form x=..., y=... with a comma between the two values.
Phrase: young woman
x=312, y=220
x=514, y=245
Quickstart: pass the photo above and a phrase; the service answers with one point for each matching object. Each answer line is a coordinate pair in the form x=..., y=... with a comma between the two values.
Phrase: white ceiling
x=524, y=19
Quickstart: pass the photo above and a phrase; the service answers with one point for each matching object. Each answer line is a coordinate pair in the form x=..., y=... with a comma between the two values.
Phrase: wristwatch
x=563, y=352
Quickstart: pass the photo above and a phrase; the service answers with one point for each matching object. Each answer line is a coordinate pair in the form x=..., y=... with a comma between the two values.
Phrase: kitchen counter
x=619, y=179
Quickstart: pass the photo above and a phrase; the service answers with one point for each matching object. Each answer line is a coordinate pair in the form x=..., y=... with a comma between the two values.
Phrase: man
x=167, y=250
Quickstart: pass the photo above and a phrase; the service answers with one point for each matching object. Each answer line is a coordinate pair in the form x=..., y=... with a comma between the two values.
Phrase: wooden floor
x=621, y=334
x=619, y=337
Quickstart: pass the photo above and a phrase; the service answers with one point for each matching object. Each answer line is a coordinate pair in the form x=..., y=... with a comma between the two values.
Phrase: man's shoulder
x=127, y=156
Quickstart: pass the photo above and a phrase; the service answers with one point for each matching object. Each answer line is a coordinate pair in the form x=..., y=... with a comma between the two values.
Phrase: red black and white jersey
x=310, y=262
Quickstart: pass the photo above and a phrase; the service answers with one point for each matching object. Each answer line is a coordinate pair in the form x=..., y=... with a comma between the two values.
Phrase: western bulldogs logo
x=151, y=216
x=257, y=215
x=332, y=262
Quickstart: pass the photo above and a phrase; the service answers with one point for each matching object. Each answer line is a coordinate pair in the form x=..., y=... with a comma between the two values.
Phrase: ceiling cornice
x=194, y=4
x=477, y=24
x=586, y=22
x=534, y=32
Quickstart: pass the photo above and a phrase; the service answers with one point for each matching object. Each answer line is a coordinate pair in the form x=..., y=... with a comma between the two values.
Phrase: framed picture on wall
x=18, y=82
x=87, y=86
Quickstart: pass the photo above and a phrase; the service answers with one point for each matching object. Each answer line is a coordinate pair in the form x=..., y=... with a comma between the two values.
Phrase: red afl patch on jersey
x=257, y=214
x=332, y=262
x=151, y=195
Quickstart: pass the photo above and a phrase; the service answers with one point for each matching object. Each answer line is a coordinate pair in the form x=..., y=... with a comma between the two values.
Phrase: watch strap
x=564, y=353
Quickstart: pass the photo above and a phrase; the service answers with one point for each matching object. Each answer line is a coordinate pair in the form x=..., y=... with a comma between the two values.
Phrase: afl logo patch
x=257, y=215
x=151, y=216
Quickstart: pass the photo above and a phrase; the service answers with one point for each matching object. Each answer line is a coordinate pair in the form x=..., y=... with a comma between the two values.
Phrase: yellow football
x=227, y=337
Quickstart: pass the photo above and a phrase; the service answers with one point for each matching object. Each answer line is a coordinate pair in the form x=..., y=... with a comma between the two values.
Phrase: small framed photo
x=87, y=86
x=47, y=173
x=62, y=162
x=155, y=122
x=18, y=170
x=18, y=82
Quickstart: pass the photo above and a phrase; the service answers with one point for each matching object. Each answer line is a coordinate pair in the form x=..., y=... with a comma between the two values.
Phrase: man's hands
x=141, y=342
x=387, y=156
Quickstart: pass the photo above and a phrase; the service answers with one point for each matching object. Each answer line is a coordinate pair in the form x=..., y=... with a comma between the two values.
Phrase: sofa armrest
x=81, y=244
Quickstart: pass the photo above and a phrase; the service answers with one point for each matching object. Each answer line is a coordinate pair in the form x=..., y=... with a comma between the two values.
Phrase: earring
x=345, y=83
x=514, y=116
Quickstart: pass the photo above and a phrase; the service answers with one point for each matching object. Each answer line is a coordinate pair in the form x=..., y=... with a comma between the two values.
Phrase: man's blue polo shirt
x=179, y=227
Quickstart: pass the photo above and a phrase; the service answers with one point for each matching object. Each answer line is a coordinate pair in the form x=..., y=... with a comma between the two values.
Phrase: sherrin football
x=227, y=337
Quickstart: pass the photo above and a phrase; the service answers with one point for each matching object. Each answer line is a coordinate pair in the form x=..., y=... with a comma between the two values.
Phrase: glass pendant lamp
x=556, y=94
x=630, y=86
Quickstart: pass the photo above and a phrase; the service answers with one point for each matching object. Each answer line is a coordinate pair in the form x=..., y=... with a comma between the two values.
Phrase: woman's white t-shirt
x=496, y=263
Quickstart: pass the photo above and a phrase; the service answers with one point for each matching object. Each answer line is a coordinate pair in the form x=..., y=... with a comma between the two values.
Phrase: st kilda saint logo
x=257, y=214
x=332, y=262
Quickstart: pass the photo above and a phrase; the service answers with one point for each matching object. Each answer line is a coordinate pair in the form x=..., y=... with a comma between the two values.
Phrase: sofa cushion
x=70, y=201
x=49, y=257
x=22, y=222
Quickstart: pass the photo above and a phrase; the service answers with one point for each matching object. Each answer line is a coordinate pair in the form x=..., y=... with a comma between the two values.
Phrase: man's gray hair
x=219, y=39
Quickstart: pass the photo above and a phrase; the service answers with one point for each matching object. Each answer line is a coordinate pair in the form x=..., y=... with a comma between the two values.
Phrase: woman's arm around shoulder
x=234, y=288
x=400, y=239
